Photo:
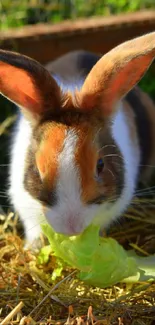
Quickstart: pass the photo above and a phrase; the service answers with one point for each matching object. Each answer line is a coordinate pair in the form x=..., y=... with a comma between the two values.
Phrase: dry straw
x=28, y=295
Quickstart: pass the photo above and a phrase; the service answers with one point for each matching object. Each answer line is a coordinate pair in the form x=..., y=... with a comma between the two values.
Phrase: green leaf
x=44, y=254
x=101, y=261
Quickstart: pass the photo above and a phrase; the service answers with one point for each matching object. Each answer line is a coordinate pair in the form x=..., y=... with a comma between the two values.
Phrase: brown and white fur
x=78, y=110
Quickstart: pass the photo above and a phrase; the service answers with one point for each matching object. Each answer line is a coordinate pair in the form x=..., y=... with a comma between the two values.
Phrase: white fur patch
x=29, y=209
x=69, y=216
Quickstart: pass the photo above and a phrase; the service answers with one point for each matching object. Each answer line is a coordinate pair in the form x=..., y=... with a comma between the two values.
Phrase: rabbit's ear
x=28, y=84
x=115, y=74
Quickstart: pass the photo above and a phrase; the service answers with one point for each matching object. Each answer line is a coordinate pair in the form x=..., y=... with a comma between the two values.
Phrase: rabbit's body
x=53, y=172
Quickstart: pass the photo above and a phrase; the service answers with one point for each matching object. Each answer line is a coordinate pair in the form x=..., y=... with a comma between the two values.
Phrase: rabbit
x=84, y=137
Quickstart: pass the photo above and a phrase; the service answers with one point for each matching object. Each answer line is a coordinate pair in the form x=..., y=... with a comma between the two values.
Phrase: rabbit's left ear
x=28, y=84
x=115, y=74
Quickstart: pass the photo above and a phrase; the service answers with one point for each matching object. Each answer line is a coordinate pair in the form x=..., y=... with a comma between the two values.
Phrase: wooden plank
x=45, y=42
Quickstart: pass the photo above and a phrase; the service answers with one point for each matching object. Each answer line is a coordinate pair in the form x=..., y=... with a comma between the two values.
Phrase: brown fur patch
x=42, y=162
x=49, y=148
x=86, y=159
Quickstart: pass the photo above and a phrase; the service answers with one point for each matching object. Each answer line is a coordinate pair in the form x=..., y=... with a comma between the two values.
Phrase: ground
x=30, y=293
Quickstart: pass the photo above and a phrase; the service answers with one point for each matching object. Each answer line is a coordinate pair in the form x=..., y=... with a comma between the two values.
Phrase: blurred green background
x=17, y=13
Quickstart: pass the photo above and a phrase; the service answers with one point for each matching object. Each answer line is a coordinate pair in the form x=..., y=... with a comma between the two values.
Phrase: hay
x=28, y=295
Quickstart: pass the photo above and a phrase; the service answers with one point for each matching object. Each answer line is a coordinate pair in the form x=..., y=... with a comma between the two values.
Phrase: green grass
x=148, y=82
x=15, y=13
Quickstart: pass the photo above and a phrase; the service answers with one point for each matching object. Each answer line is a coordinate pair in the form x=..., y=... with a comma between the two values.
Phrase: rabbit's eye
x=100, y=166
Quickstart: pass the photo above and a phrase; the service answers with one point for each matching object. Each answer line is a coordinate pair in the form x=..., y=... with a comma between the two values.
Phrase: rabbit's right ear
x=115, y=74
x=28, y=84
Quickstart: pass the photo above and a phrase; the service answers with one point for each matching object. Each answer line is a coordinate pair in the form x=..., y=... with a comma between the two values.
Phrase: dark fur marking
x=73, y=65
x=143, y=125
x=98, y=200
x=113, y=172
x=114, y=160
x=34, y=185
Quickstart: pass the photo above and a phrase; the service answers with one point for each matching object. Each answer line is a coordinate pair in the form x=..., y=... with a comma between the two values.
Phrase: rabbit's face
x=74, y=167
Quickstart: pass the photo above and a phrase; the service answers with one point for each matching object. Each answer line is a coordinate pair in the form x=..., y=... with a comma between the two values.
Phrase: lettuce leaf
x=101, y=261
